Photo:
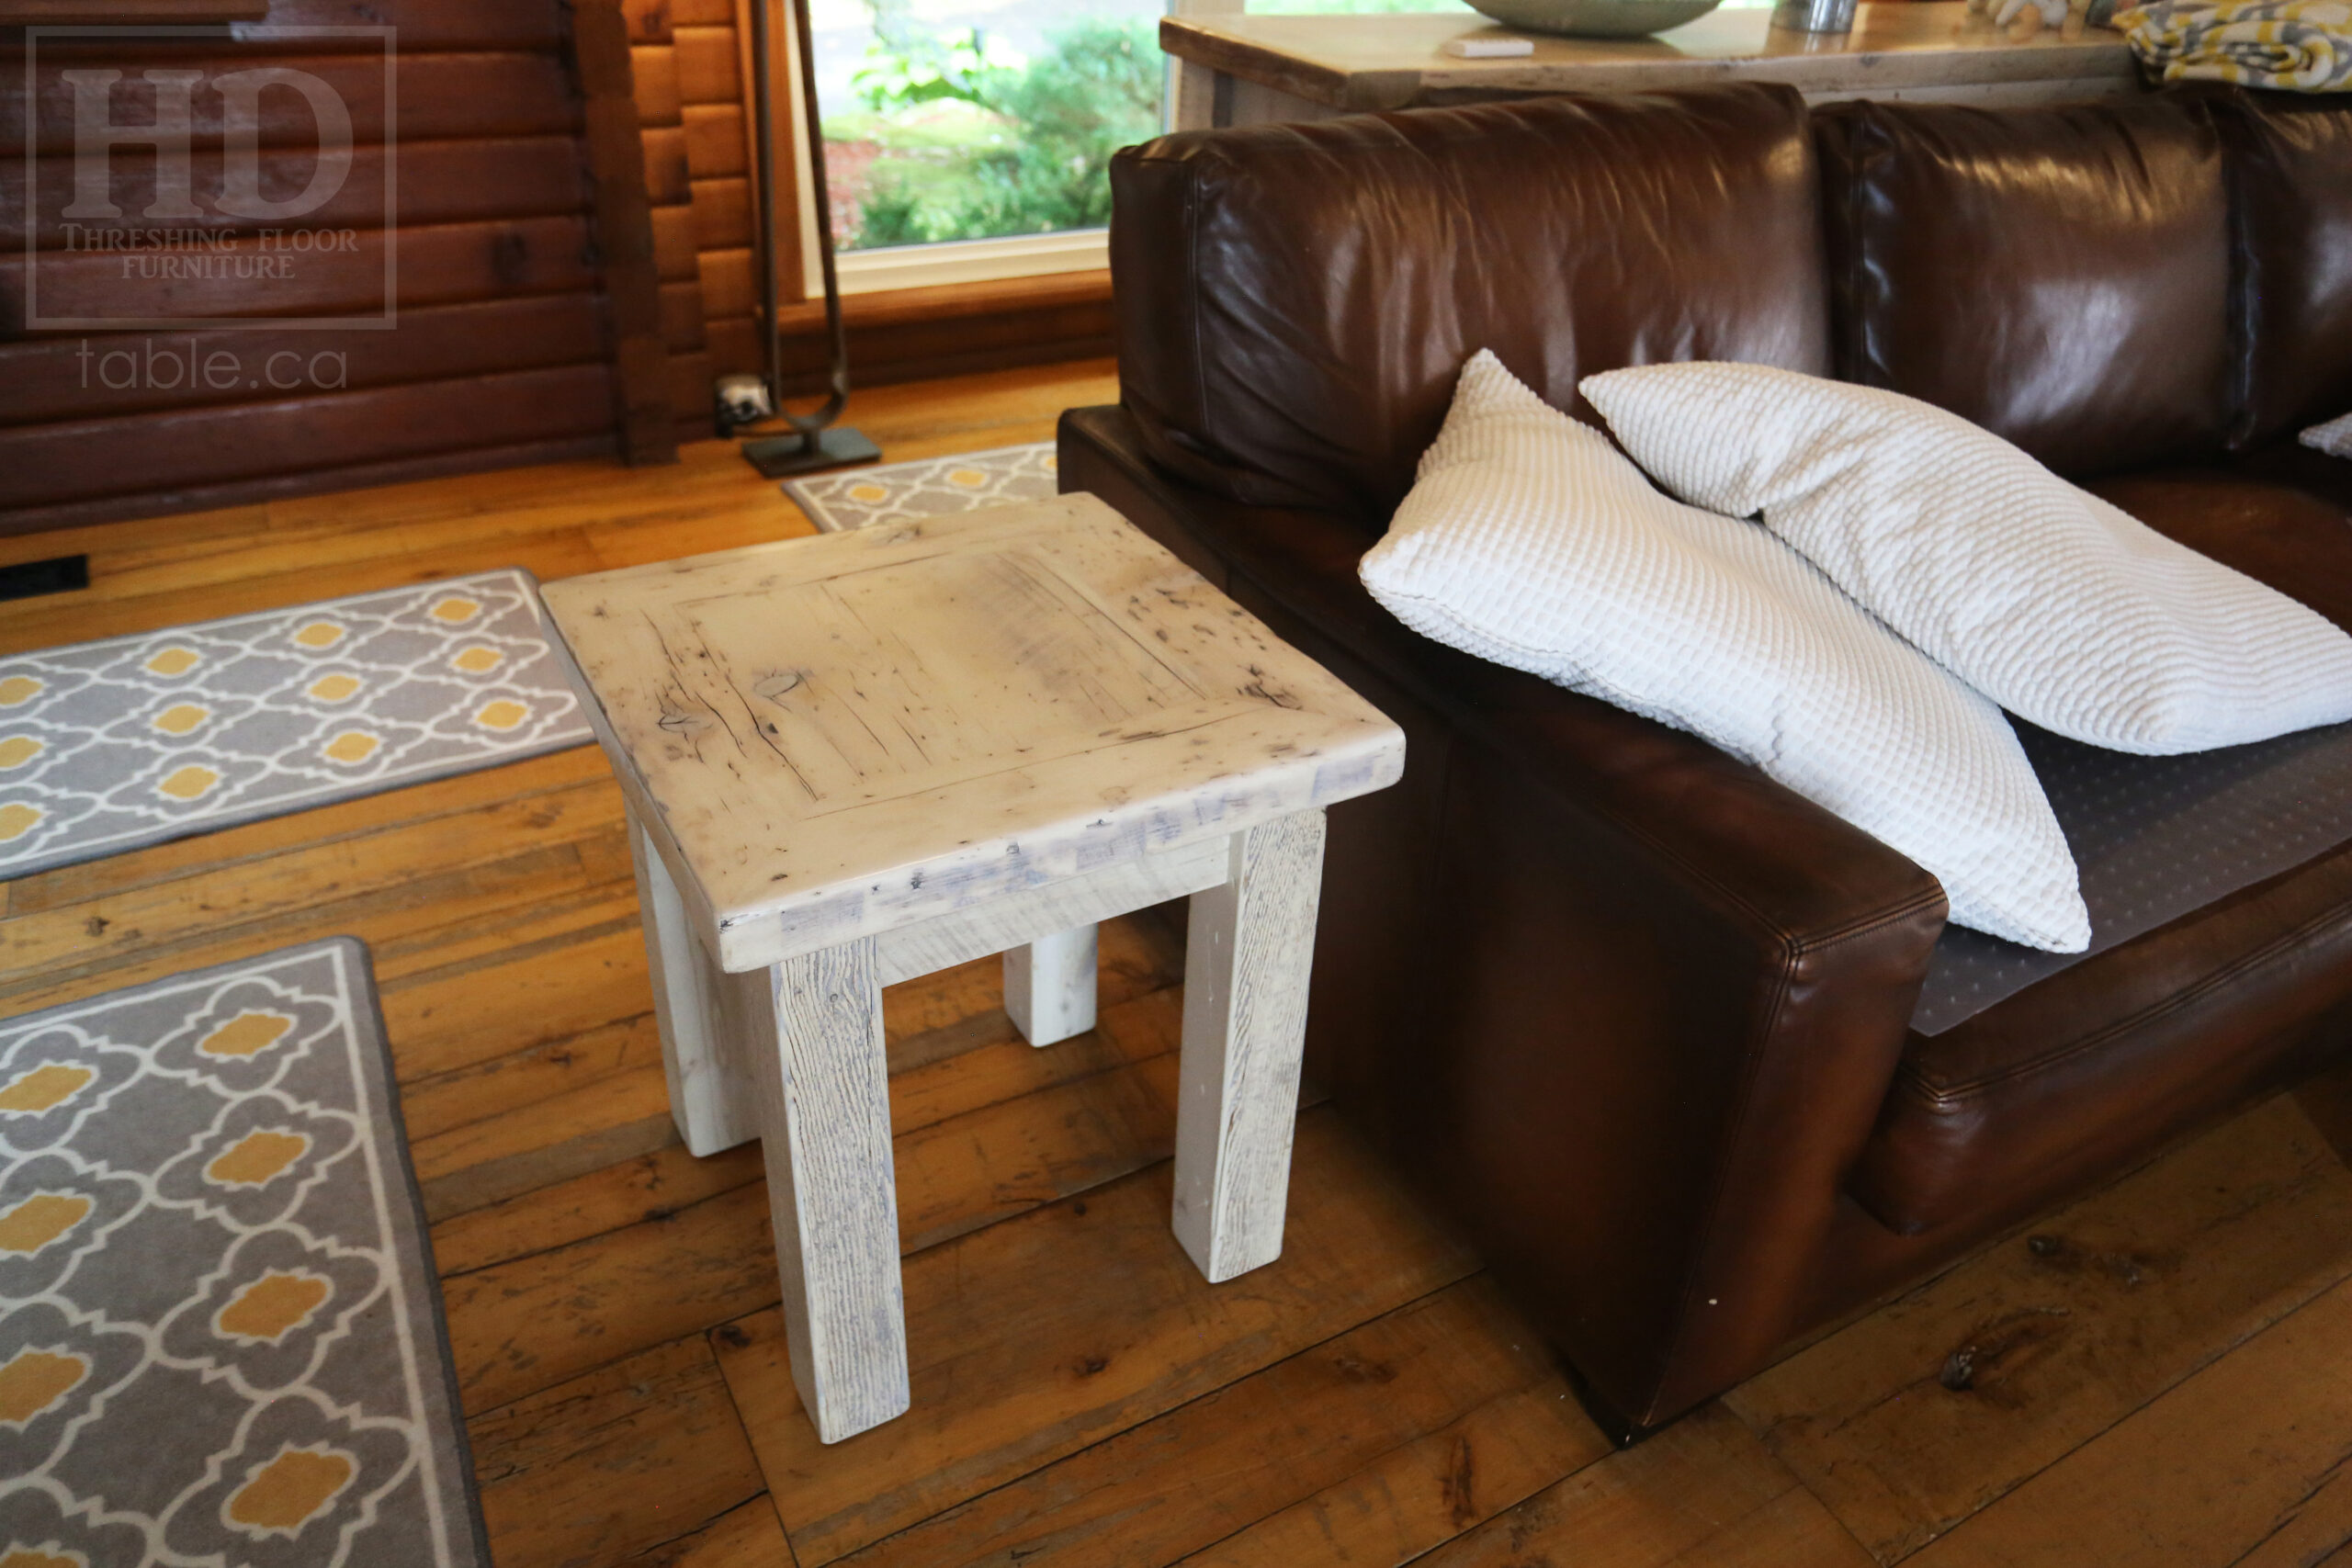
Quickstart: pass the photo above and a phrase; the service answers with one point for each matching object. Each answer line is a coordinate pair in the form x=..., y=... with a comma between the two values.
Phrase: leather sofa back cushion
x=2293, y=162
x=1295, y=303
x=2058, y=275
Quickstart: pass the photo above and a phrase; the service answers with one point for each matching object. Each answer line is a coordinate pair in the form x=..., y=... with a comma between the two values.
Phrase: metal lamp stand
x=816, y=442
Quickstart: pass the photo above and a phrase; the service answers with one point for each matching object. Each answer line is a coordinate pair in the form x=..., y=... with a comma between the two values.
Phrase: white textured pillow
x=2057, y=605
x=2335, y=438
x=1530, y=541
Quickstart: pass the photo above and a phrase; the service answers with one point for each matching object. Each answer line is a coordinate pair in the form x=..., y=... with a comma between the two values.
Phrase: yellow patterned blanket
x=2302, y=46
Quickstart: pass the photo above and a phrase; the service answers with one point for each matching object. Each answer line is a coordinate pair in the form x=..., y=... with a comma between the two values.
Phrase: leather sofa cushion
x=2058, y=275
x=2095, y=1062
x=1296, y=302
x=2154, y=837
x=2291, y=159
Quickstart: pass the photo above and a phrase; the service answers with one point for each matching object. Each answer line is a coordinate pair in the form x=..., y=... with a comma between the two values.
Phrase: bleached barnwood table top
x=1922, y=49
x=836, y=737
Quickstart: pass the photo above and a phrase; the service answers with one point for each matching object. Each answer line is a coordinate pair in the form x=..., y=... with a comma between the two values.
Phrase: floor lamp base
x=786, y=457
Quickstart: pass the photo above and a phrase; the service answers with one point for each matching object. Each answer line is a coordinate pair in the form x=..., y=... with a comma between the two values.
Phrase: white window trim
x=968, y=261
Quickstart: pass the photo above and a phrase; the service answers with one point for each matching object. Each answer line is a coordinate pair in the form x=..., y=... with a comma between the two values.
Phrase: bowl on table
x=1595, y=18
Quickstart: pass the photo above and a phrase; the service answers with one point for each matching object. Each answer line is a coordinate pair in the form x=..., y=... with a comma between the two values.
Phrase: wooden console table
x=1245, y=70
x=856, y=759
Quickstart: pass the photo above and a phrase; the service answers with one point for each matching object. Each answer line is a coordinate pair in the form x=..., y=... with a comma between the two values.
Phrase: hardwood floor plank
x=748, y=1537
x=1041, y=1334
x=627, y=543
x=1277, y=1439
x=615, y=1118
x=655, y=1186
x=2107, y=1303
x=53, y=943
x=934, y=1090
x=514, y=1083
x=233, y=525
x=2247, y=1465
x=565, y=916
x=388, y=918
x=651, y=1188
x=542, y=1317
x=287, y=555
x=255, y=841
x=1703, y=1491
x=1009, y=1158
x=521, y=1327
x=1416, y=1497
x=471, y=1013
x=549, y=1316
x=639, y=1453
x=1003, y=408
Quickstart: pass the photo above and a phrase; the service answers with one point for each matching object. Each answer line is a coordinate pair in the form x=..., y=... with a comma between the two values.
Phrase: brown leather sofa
x=1638, y=1015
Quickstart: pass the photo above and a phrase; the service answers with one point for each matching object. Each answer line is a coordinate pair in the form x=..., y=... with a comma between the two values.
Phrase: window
x=973, y=138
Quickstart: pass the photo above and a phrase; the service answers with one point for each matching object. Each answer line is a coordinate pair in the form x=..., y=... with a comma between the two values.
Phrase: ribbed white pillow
x=2054, y=603
x=2335, y=438
x=1530, y=541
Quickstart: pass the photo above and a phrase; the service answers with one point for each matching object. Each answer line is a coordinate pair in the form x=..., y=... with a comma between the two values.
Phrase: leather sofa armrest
x=1666, y=995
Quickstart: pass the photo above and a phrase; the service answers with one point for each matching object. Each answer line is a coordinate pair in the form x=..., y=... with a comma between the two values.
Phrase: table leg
x=1196, y=95
x=1049, y=985
x=708, y=1101
x=815, y=1051
x=1250, y=946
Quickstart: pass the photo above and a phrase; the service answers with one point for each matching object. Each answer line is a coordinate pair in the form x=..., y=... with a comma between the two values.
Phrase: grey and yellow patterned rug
x=221, y=1337
x=111, y=745
x=897, y=493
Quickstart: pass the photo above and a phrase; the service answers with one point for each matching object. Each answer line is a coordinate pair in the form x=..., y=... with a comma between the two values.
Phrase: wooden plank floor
x=2157, y=1375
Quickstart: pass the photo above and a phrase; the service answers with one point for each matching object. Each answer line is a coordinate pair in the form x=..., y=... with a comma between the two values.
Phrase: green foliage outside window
x=1009, y=145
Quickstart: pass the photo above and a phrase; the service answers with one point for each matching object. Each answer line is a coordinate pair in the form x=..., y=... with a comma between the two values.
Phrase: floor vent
x=30, y=579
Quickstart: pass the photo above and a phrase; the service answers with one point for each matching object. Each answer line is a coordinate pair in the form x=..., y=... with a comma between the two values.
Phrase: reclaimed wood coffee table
x=860, y=757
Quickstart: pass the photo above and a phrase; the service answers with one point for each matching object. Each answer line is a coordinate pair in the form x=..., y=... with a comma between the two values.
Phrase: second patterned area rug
x=900, y=492
x=111, y=746
x=221, y=1335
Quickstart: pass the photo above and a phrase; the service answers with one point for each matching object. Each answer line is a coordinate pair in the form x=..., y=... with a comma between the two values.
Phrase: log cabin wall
x=690, y=107
x=526, y=325
x=691, y=60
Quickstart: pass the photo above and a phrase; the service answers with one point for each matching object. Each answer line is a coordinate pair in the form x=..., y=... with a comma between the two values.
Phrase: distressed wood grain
x=51, y=943
x=450, y=1022
x=1049, y=985
x=1247, y=951
x=978, y=1137
x=2056, y=1334
x=1010, y=919
x=513, y=1084
x=822, y=1083
x=710, y=1094
x=651, y=1189
x=611, y=1119
x=1275, y=1439
x=609, y=1464
x=980, y=705
x=746, y=1537
x=1421, y=1495
x=2247, y=1463
x=1702, y=1493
